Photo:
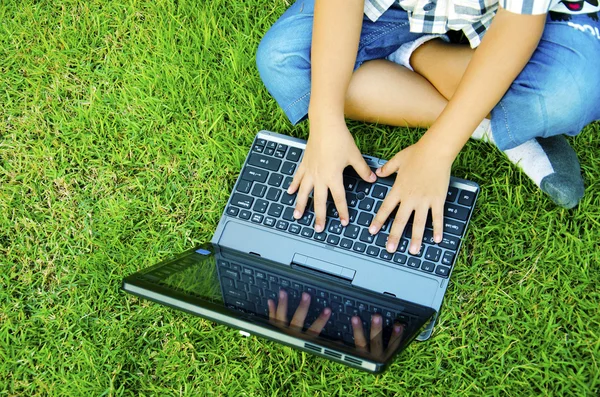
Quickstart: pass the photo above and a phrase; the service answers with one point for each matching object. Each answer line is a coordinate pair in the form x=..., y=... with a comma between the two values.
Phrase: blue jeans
x=558, y=92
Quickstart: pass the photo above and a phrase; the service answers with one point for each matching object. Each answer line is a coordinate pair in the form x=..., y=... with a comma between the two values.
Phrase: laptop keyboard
x=260, y=197
x=247, y=289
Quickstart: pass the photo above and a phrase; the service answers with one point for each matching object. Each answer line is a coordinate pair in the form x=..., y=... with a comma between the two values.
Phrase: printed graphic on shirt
x=594, y=31
x=562, y=11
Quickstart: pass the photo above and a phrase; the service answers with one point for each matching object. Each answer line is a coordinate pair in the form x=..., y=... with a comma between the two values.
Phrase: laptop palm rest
x=333, y=261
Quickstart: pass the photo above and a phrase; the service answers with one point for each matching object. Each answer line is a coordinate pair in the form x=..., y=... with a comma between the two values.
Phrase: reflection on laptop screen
x=325, y=317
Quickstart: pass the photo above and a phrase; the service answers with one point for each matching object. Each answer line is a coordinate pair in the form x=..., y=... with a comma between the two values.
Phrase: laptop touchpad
x=284, y=249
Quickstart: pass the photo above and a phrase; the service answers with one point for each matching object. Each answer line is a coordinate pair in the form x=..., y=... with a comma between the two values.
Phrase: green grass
x=123, y=126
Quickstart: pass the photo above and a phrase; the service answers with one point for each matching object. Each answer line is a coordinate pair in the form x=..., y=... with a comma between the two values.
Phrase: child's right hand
x=329, y=150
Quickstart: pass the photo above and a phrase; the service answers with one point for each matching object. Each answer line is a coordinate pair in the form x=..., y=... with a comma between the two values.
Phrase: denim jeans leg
x=558, y=91
x=283, y=56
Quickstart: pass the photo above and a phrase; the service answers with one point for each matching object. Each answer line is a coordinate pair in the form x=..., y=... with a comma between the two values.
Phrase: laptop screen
x=310, y=311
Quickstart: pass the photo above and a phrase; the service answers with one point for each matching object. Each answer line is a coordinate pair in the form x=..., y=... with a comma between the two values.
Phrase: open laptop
x=337, y=294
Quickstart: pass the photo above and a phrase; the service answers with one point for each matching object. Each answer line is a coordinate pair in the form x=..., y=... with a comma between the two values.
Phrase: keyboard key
x=261, y=142
x=452, y=193
x=359, y=247
x=270, y=221
x=466, y=198
x=456, y=212
x=245, y=214
x=307, y=232
x=400, y=258
x=257, y=148
x=372, y=251
x=366, y=204
x=450, y=242
x=365, y=219
x=294, y=154
x=448, y=258
x=260, y=206
x=320, y=236
x=335, y=227
x=381, y=239
x=288, y=168
x=275, y=179
x=346, y=243
x=294, y=229
x=275, y=210
x=366, y=237
x=402, y=246
x=288, y=214
x=288, y=199
x=427, y=266
x=273, y=194
x=266, y=162
x=442, y=270
x=352, y=231
x=254, y=174
x=433, y=254
x=414, y=262
x=271, y=145
x=332, y=211
x=351, y=200
x=453, y=227
x=333, y=239
x=363, y=187
x=287, y=182
x=379, y=192
x=279, y=154
x=242, y=201
x=385, y=255
x=243, y=186
x=349, y=183
x=282, y=225
x=232, y=211
x=306, y=219
x=258, y=190
x=257, y=218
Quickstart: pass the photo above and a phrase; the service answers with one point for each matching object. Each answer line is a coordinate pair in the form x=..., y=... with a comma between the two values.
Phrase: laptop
x=337, y=294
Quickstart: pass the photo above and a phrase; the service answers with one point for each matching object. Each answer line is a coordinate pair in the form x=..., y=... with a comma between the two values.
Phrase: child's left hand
x=421, y=184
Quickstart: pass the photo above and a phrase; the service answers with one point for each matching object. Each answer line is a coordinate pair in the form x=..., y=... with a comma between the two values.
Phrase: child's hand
x=328, y=152
x=421, y=184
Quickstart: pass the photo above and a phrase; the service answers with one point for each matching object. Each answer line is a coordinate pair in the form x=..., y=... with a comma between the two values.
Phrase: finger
x=362, y=168
x=397, y=333
x=320, y=201
x=390, y=167
x=359, y=335
x=272, y=309
x=398, y=226
x=301, y=311
x=437, y=215
x=296, y=182
x=282, y=305
x=320, y=322
x=302, y=198
x=339, y=199
x=388, y=205
x=417, y=230
x=376, y=335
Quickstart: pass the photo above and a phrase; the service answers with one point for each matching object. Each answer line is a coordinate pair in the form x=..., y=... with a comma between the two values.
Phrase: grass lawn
x=123, y=125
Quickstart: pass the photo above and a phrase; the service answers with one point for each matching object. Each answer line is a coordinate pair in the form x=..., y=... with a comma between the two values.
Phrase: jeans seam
x=288, y=107
x=380, y=32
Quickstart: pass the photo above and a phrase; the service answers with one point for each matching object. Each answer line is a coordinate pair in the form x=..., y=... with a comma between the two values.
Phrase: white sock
x=529, y=156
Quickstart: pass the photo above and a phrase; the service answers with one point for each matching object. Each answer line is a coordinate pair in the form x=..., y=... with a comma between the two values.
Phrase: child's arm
x=330, y=147
x=424, y=168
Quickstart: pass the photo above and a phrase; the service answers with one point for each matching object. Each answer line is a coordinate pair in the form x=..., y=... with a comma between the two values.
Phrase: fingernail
x=391, y=247
x=373, y=230
x=372, y=177
x=344, y=222
x=376, y=319
x=318, y=228
x=397, y=328
x=378, y=171
x=355, y=320
x=437, y=238
x=305, y=296
x=327, y=311
x=281, y=293
x=297, y=214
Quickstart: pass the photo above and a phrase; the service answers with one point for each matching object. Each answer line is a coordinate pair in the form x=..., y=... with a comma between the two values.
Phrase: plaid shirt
x=473, y=17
